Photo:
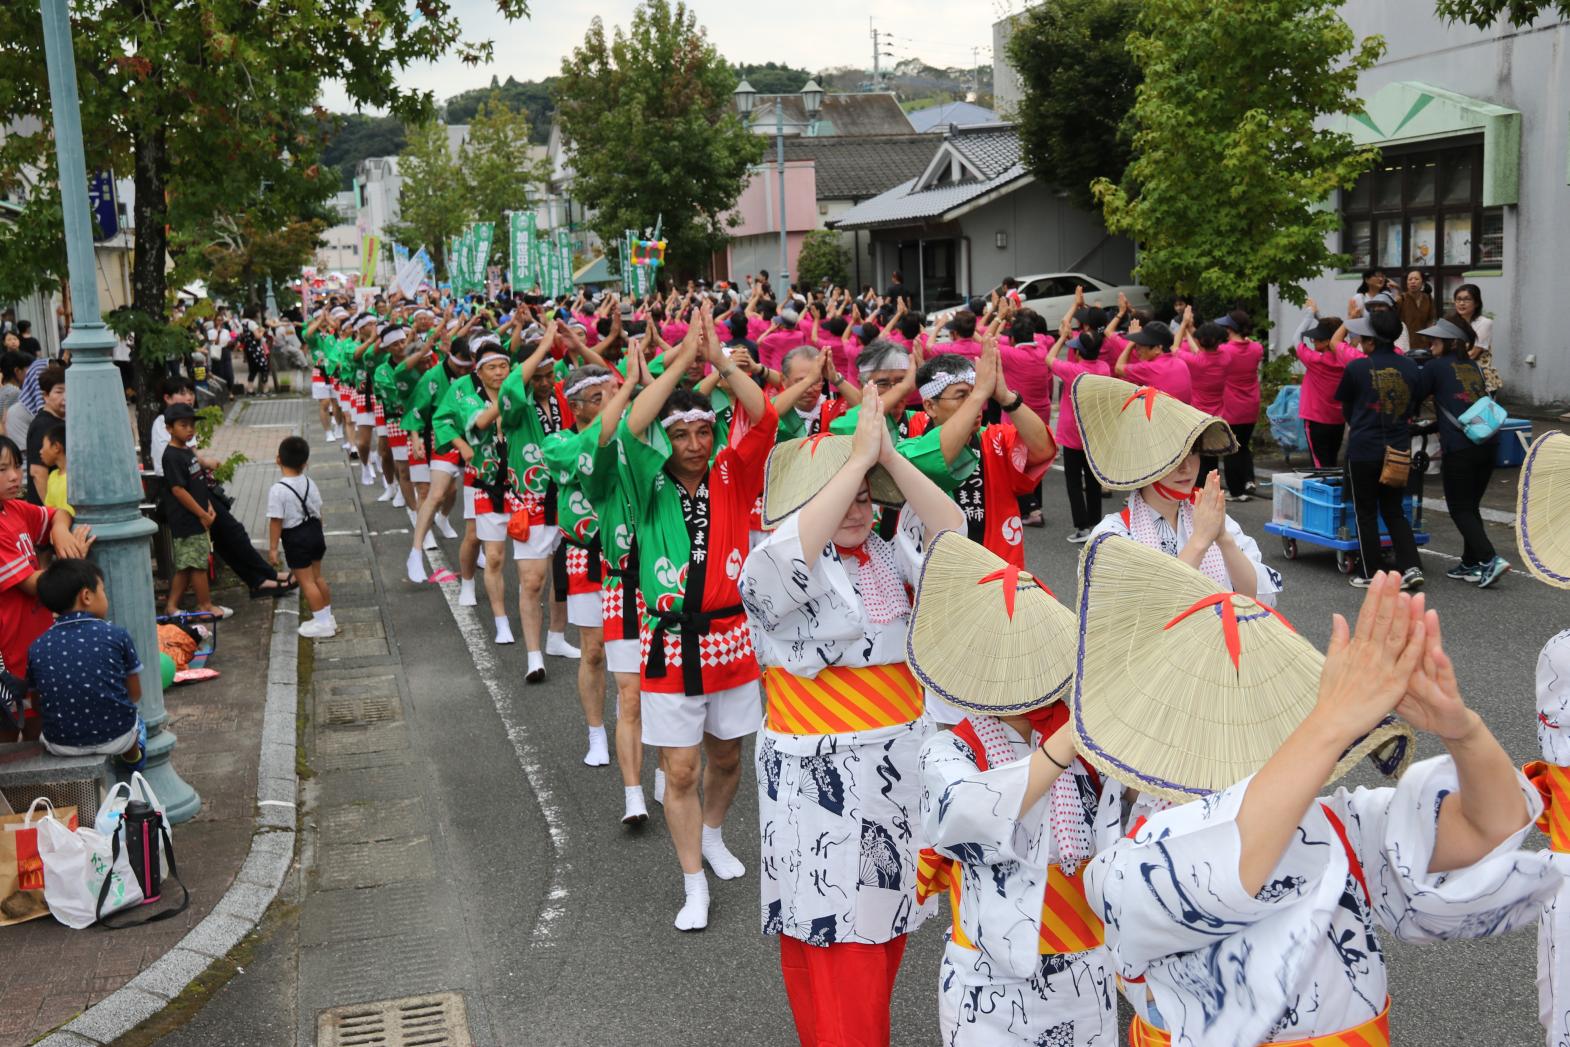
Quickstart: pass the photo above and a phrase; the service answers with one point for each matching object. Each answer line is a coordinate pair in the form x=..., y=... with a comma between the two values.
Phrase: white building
x=339, y=250
x=1472, y=183
x=377, y=188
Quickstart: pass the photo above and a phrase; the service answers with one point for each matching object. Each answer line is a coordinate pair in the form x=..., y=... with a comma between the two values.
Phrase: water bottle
x=144, y=846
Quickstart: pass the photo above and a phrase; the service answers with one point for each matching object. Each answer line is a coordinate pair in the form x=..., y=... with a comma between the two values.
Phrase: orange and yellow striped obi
x=1553, y=783
x=1067, y=923
x=1373, y=1033
x=840, y=700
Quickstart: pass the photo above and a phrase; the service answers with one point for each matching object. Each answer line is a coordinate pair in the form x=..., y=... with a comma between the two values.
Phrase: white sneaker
x=444, y=525
x=430, y=542
x=415, y=566
x=599, y=752
x=466, y=593
x=556, y=644
x=319, y=630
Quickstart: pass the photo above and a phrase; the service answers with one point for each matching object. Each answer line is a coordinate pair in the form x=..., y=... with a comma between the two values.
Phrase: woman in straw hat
x=1011, y=815
x=1249, y=916
x=1543, y=536
x=1140, y=440
x=837, y=793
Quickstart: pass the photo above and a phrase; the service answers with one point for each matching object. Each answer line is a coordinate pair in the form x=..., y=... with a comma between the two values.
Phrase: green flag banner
x=480, y=259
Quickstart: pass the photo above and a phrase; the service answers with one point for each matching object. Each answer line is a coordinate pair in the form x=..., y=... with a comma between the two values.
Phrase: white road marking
x=478, y=642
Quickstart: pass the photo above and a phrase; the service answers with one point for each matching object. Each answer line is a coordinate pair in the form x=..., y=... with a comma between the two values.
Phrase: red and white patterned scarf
x=1144, y=525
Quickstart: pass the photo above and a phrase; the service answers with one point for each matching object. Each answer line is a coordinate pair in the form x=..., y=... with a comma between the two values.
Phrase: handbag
x=1397, y=467
x=1482, y=421
x=146, y=834
x=85, y=873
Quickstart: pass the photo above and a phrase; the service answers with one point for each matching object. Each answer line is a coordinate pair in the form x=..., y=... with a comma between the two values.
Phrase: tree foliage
x=433, y=204
x=822, y=257
x=497, y=170
x=1226, y=190
x=1077, y=82
x=1484, y=13
x=356, y=137
x=532, y=98
x=772, y=78
x=653, y=130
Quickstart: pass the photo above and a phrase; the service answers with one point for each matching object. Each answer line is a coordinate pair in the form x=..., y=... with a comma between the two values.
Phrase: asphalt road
x=558, y=920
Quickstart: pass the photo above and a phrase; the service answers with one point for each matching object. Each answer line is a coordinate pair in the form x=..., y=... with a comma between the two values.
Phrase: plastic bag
x=76, y=865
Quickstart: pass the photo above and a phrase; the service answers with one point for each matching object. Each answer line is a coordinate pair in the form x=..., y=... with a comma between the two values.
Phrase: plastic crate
x=1326, y=511
x=1510, y=452
x=1286, y=499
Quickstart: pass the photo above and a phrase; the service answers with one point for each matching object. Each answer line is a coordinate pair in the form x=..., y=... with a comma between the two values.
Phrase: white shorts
x=381, y=430
x=621, y=656
x=365, y=419
x=400, y=453
x=585, y=611
x=441, y=465
x=488, y=527
x=321, y=391
x=542, y=542
x=468, y=506
x=420, y=474
x=677, y=720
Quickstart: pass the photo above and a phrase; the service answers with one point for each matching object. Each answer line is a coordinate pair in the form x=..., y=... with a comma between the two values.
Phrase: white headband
x=587, y=383
x=942, y=380
x=488, y=355
x=697, y=414
x=338, y=313
x=418, y=313
x=394, y=337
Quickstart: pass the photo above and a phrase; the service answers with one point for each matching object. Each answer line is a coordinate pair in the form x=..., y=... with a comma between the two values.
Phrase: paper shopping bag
x=21, y=867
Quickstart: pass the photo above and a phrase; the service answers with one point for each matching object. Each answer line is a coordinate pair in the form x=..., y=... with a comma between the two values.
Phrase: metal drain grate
x=361, y=710
x=412, y=1021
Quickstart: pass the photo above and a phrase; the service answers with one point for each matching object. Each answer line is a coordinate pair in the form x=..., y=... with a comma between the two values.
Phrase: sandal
x=275, y=588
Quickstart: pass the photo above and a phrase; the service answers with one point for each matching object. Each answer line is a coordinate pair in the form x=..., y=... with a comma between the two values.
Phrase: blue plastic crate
x=1510, y=452
x=1326, y=511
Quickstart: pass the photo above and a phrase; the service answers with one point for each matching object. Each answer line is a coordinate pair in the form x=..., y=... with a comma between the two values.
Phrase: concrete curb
x=255, y=885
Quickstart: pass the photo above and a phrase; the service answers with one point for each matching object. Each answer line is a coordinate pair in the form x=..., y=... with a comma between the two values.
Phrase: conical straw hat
x=798, y=469
x=1543, y=509
x=1182, y=689
x=985, y=635
x=1135, y=435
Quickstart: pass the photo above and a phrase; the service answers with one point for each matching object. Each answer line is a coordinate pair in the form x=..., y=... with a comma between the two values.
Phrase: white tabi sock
x=504, y=630
x=694, y=915
x=479, y=560
x=635, y=810
x=388, y=490
x=536, y=661
x=444, y=525
x=599, y=753
x=659, y=787
x=556, y=644
x=415, y=567
x=398, y=502
x=414, y=518
x=466, y=592
x=725, y=864
x=324, y=615
x=430, y=541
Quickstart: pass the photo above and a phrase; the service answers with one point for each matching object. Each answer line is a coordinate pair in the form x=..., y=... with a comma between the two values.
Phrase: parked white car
x=1051, y=294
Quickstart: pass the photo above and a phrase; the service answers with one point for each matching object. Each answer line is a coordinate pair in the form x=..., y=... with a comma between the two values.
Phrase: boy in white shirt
x=294, y=517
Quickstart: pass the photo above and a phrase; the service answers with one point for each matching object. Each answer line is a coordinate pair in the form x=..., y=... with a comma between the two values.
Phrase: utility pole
x=877, y=77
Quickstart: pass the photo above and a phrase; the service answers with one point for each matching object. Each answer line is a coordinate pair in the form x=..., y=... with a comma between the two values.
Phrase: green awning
x=596, y=272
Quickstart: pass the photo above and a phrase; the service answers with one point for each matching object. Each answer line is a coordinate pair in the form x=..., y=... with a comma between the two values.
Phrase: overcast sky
x=831, y=33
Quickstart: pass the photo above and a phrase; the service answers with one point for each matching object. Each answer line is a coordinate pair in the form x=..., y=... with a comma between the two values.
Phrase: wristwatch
x=1019, y=401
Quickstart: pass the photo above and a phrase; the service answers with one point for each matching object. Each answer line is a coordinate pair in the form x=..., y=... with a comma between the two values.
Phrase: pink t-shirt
x=773, y=347
x=673, y=331
x=1025, y=370
x=969, y=348
x=1207, y=375
x=1066, y=371
x=1166, y=372
x=842, y=353
x=1321, y=375
x=756, y=325
x=1240, y=405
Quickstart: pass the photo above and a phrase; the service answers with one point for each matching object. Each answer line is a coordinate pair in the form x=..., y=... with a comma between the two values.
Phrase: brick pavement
x=52, y=973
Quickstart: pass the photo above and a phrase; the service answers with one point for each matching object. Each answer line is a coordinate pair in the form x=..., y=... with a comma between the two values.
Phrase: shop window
x=1423, y=207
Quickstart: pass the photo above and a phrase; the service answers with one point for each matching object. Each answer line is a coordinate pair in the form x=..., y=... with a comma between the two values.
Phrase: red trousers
x=839, y=994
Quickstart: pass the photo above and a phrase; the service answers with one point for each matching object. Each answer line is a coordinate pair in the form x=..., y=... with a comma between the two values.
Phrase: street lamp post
x=812, y=101
x=103, y=483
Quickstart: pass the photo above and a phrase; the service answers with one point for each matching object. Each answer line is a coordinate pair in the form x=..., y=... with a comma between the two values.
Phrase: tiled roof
x=992, y=149
x=873, y=113
x=939, y=117
x=855, y=168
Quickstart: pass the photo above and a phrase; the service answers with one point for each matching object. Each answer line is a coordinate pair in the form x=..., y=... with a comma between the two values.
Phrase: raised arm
x=743, y=389
x=646, y=405
x=957, y=431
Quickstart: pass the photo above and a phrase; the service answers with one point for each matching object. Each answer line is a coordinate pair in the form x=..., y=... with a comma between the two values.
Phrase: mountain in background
x=917, y=85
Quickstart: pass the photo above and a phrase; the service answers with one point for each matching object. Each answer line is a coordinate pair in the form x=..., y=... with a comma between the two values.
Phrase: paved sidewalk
x=51, y=974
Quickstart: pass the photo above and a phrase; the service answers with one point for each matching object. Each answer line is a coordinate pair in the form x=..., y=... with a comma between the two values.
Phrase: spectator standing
x=84, y=670
x=13, y=365
x=1084, y=490
x=1465, y=468
x=27, y=343
x=188, y=508
x=1415, y=304
x=24, y=529
x=51, y=414
x=294, y=520
x=1468, y=301
x=1379, y=393
x=1240, y=401
x=52, y=453
x=1324, y=357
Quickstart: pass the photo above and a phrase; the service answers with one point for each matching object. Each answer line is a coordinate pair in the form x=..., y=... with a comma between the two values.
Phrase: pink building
x=755, y=241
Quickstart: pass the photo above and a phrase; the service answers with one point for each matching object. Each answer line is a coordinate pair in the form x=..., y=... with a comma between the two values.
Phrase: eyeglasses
x=884, y=384
x=952, y=398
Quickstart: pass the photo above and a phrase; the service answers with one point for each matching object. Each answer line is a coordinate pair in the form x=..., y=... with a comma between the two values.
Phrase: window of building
x=1423, y=207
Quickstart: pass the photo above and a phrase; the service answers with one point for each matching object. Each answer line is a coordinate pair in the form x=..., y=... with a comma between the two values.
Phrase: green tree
x=822, y=257
x=1484, y=13
x=1077, y=82
x=653, y=130
x=530, y=97
x=497, y=170
x=434, y=203
x=771, y=78
x=1225, y=194
x=358, y=137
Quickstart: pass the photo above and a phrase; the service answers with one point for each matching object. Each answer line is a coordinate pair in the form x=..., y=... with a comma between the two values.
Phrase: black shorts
x=304, y=544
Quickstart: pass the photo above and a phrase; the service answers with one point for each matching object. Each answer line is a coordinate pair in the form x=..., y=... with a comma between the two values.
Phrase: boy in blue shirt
x=83, y=671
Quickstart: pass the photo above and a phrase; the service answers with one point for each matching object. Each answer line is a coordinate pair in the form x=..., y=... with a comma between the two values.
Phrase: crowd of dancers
x=801, y=518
